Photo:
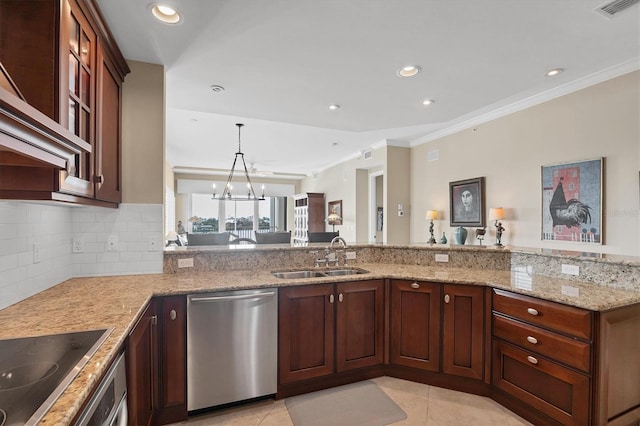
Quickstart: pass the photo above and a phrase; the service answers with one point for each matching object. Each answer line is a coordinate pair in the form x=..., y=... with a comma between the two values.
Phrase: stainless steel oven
x=108, y=405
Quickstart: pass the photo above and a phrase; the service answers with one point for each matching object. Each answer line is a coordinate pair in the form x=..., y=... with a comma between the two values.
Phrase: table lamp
x=497, y=213
x=333, y=219
x=431, y=216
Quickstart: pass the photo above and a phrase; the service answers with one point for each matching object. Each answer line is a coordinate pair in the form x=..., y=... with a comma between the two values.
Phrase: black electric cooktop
x=34, y=371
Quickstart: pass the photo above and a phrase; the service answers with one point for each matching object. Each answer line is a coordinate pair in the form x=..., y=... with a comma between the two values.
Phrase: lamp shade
x=333, y=219
x=496, y=213
x=432, y=214
x=171, y=236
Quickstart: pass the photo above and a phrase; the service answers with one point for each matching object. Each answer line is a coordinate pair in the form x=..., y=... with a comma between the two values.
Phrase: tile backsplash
x=36, y=244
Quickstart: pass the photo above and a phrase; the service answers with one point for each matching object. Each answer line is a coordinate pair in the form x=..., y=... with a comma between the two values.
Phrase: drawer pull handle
x=415, y=285
x=532, y=311
x=532, y=360
x=532, y=339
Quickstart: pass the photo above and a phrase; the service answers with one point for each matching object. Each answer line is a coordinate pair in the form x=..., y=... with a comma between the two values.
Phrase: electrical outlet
x=442, y=257
x=570, y=291
x=570, y=269
x=351, y=255
x=154, y=244
x=78, y=245
x=36, y=252
x=112, y=243
x=185, y=263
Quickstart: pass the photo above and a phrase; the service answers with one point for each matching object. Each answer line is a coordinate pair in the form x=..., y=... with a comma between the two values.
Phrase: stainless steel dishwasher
x=231, y=347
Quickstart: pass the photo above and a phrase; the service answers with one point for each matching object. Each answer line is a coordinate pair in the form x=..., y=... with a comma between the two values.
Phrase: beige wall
x=143, y=134
x=599, y=121
x=397, y=187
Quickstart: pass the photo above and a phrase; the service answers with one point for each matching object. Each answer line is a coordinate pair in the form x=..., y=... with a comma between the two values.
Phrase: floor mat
x=361, y=403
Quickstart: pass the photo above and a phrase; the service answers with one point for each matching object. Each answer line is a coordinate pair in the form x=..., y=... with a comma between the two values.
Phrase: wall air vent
x=367, y=154
x=615, y=7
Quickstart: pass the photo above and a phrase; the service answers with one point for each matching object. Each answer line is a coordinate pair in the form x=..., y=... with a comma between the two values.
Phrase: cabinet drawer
x=563, y=349
x=555, y=316
x=557, y=391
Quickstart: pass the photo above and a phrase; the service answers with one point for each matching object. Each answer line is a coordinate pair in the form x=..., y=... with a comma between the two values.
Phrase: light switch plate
x=154, y=244
x=442, y=257
x=112, y=243
x=570, y=269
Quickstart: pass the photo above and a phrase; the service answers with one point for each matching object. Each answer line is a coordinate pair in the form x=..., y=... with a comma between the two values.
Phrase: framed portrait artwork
x=335, y=208
x=572, y=201
x=466, y=202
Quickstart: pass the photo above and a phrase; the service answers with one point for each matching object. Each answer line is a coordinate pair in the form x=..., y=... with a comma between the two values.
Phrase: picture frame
x=335, y=207
x=572, y=201
x=466, y=202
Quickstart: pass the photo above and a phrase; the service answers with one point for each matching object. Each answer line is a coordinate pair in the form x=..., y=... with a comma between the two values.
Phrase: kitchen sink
x=298, y=274
x=344, y=271
x=318, y=273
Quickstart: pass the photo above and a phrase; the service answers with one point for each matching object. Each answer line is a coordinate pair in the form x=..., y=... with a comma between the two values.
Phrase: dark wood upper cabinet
x=64, y=61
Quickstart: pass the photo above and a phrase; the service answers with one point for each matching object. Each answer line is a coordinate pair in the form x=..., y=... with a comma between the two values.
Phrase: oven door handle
x=122, y=414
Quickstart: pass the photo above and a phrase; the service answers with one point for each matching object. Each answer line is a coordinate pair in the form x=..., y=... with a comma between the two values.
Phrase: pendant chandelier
x=227, y=193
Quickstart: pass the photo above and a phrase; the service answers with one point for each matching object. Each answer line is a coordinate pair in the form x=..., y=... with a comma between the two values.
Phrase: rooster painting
x=570, y=213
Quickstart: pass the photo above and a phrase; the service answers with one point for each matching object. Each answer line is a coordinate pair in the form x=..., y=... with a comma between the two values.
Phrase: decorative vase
x=461, y=235
x=443, y=240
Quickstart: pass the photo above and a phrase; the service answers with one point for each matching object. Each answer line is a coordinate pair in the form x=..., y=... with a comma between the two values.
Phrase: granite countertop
x=115, y=302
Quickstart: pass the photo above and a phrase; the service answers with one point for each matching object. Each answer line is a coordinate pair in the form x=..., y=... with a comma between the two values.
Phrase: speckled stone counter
x=115, y=302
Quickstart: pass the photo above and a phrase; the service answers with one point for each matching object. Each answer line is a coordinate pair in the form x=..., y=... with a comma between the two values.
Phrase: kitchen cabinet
x=326, y=329
x=423, y=311
x=308, y=215
x=142, y=367
x=172, y=358
x=76, y=82
x=572, y=365
x=531, y=362
x=415, y=324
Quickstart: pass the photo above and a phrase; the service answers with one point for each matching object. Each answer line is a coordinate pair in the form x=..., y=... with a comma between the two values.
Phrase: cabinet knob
x=532, y=339
x=331, y=298
x=172, y=314
x=415, y=285
x=532, y=360
x=532, y=311
x=446, y=298
x=340, y=297
x=98, y=179
x=154, y=320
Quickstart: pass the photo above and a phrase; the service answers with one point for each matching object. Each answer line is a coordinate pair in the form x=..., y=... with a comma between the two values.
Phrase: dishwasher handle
x=234, y=297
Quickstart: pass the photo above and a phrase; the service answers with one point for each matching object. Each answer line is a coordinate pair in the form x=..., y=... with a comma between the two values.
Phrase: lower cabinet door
x=305, y=332
x=557, y=391
x=359, y=324
x=463, y=331
x=415, y=324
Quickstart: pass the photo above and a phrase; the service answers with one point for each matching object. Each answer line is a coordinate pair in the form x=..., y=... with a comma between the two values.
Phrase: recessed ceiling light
x=553, y=72
x=409, y=71
x=165, y=14
x=334, y=107
x=428, y=102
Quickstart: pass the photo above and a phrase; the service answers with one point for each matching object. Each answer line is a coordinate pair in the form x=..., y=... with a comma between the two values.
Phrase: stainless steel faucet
x=341, y=251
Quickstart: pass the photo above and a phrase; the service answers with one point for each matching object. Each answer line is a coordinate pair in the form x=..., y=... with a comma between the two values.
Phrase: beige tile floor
x=424, y=405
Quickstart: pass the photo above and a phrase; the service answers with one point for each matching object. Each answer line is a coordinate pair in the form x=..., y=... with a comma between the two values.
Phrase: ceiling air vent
x=615, y=7
x=367, y=155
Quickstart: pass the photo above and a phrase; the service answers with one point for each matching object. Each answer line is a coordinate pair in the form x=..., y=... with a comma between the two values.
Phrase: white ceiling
x=283, y=62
